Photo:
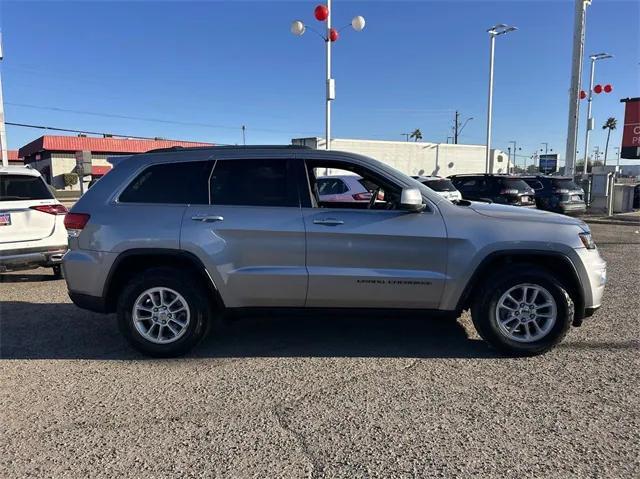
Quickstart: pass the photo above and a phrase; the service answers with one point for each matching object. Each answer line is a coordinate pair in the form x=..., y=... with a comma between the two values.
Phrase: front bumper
x=28, y=258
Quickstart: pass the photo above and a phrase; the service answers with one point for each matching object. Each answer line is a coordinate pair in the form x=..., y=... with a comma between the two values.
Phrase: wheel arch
x=134, y=261
x=556, y=263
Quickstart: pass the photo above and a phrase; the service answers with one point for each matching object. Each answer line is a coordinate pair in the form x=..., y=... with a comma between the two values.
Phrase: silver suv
x=169, y=239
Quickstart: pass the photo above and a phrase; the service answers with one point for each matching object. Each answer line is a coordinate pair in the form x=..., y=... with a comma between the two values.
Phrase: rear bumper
x=92, y=303
x=19, y=259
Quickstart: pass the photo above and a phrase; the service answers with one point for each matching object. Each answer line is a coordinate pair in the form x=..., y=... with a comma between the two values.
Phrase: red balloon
x=597, y=89
x=608, y=88
x=583, y=94
x=321, y=13
x=333, y=35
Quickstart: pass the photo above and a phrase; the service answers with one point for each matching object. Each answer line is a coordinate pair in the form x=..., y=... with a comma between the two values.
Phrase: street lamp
x=594, y=59
x=493, y=32
x=322, y=13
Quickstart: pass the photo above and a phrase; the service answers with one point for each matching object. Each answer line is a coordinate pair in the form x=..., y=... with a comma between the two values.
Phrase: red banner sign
x=631, y=134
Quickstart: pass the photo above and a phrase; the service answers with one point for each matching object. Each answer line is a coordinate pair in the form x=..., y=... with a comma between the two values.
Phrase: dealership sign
x=631, y=134
x=548, y=163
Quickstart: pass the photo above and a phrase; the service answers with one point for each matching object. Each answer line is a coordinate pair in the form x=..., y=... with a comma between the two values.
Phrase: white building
x=419, y=158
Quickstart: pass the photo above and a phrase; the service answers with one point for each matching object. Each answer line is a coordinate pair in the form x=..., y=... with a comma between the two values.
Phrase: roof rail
x=232, y=147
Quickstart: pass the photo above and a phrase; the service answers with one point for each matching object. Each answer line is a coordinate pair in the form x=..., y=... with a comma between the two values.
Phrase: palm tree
x=609, y=125
x=416, y=134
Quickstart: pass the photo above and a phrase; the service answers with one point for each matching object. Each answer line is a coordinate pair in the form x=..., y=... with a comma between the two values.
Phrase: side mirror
x=411, y=200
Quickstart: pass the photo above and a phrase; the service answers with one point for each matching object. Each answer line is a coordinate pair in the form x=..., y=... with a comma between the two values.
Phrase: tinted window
x=255, y=182
x=535, y=184
x=565, y=184
x=331, y=186
x=23, y=187
x=171, y=183
x=514, y=184
x=465, y=182
x=440, y=185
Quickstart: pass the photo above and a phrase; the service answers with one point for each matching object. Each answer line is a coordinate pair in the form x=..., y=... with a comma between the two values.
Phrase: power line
x=140, y=118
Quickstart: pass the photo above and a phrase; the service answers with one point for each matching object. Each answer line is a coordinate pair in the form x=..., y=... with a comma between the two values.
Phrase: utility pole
x=406, y=135
x=455, y=128
x=546, y=147
x=579, y=25
x=4, y=158
x=508, y=159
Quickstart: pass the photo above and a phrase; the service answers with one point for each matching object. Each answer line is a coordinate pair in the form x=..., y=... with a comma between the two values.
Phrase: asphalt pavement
x=334, y=397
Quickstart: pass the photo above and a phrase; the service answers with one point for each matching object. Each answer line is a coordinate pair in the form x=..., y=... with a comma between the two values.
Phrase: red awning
x=100, y=170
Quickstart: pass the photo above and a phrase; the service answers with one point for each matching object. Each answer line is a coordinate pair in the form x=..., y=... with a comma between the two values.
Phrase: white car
x=343, y=189
x=32, y=232
x=442, y=186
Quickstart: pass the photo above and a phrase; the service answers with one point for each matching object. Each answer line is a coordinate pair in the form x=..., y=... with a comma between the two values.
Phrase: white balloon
x=297, y=28
x=358, y=23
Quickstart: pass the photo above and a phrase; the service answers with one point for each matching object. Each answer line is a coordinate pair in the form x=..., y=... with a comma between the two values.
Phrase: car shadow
x=26, y=278
x=63, y=331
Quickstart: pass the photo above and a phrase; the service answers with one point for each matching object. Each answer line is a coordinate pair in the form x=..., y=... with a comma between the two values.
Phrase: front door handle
x=207, y=218
x=328, y=222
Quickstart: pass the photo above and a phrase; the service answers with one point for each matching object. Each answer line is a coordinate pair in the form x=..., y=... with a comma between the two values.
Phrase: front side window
x=256, y=182
x=23, y=187
x=379, y=193
x=170, y=183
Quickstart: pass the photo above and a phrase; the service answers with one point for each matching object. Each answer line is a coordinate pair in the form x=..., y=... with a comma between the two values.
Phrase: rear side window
x=331, y=186
x=256, y=182
x=170, y=183
x=23, y=187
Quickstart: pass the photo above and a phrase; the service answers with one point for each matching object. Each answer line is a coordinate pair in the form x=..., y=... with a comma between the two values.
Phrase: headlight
x=587, y=240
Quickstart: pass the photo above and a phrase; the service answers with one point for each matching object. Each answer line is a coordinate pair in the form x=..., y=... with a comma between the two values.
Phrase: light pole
x=594, y=59
x=493, y=32
x=323, y=14
x=4, y=159
x=579, y=24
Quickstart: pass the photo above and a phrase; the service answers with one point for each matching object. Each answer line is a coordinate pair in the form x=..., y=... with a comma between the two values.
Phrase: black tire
x=194, y=293
x=484, y=307
x=57, y=271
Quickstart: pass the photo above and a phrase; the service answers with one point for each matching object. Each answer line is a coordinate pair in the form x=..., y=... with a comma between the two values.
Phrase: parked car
x=636, y=196
x=508, y=190
x=443, y=186
x=169, y=240
x=343, y=189
x=558, y=194
x=32, y=232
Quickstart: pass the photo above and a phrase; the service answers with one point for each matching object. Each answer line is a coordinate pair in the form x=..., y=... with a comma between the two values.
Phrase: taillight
x=75, y=223
x=51, y=209
x=362, y=196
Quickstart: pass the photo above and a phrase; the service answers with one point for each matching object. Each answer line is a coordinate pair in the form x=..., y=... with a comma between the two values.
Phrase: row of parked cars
x=551, y=193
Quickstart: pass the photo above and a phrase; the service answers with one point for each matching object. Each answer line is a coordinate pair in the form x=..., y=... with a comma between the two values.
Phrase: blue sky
x=201, y=70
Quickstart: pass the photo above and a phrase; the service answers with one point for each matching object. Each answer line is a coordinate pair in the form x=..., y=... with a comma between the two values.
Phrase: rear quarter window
x=170, y=183
x=23, y=187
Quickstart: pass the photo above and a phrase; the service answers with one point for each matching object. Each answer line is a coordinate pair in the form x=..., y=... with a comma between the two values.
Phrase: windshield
x=440, y=185
x=514, y=184
x=564, y=184
x=23, y=187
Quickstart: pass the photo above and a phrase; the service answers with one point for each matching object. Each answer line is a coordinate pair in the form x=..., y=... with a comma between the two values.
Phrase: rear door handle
x=207, y=218
x=328, y=222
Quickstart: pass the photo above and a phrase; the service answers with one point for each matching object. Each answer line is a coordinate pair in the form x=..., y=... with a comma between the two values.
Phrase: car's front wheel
x=163, y=312
x=523, y=313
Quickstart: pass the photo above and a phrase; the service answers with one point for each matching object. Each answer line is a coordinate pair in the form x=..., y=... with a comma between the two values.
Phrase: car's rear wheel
x=163, y=312
x=523, y=313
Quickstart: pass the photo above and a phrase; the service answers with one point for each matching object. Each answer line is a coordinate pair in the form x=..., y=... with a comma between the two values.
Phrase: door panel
x=384, y=259
x=255, y=255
